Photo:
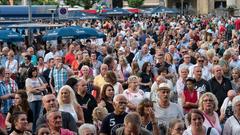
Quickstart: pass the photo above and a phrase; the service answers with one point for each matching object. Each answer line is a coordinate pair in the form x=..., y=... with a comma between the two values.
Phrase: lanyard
x=209, y=119
x=236, y=119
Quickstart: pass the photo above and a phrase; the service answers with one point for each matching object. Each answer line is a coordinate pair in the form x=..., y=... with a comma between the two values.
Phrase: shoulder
x=145, y=132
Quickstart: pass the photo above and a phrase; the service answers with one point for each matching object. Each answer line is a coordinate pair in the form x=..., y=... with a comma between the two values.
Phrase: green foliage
x=6, y=2
x=44, y=2
x=135, y=3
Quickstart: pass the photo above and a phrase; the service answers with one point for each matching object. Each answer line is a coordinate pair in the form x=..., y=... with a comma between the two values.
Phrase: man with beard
x=115, y=119
x=165, y=110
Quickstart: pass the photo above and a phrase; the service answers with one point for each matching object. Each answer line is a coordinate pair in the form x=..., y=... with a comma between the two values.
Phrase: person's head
x=208, y=101
x=85, y=70
x=133, y=82
x=109, y=61
x=27, y=59
x=135, y=67
x=168, y=57
x=195, y=118
x=163, y=71
x=160, y=79
x=82, y=86
x=54, y=119
x=200, y=60
x=236, y=105
x=43, y=130
x=119, y=103
x=93, y=56
x=57, y=59
x=40, y=60
x=217, y=71
x=10, y=54
x=132, y=124
x=66, y=95
x=19, y=121
x=5, y=50
x=227, y=54
x=99, y=113
x=187, y=58
x=107, y=92
x=49, y=102
x=144, y=106
x=164, y=92
x=197, y=72
x=123, y=61
x=103, y=69
x=30, y=51
x=32, y=72
x=145, y=49
x=110, y=77
x=146, y=67
x=235, y=73
x=7, y=74
x=190, y=83
x=183, y=72
x=176, y=127
x=21, y=100
x=231, y=94
x=215, y=60
x=87, y=129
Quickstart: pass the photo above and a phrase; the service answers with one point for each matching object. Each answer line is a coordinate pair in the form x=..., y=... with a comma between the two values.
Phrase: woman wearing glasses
x=208, y=104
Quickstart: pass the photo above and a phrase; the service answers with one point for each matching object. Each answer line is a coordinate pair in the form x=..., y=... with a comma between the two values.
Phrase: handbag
x=45, y=92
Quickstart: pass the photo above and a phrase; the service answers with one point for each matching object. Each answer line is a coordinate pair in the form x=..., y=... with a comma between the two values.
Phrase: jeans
x=36, y=108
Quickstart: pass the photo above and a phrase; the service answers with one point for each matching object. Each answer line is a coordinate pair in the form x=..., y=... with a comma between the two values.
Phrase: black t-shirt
x=111, y=123
x=130, y=58
x=90, y=102
x=220, y=90
x=109, y=107
x=202, y=86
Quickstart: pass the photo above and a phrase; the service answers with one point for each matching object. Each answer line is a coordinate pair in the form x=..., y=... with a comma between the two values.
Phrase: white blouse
x=231, y=127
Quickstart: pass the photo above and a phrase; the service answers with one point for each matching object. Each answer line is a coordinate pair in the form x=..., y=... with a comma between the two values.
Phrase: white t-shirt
x=164, y=115
x=189, y=132
x=231, y=127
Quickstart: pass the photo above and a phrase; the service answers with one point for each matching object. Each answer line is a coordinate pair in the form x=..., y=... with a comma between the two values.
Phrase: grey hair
x=117, y=96
x=87, y=126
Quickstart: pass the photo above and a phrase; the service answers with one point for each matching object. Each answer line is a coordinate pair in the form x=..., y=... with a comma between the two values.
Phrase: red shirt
x=237, y=24
x=190, y=96
x=69, y=58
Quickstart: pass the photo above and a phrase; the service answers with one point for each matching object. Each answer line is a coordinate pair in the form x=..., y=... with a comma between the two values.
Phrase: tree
x=44, y=2
x=135, y=3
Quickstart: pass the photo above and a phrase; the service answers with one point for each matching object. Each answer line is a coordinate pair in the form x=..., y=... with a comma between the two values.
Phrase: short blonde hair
x=213, y=97
x=99, y=113
x=132, y=78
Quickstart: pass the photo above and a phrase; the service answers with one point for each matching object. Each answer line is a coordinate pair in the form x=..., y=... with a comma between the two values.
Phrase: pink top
x=215, y=125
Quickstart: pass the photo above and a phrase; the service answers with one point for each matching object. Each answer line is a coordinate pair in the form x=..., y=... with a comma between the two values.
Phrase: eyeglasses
x=208, y=100
x=121, y=103
x=215, y=61
x=179, y=129
x=200, y=60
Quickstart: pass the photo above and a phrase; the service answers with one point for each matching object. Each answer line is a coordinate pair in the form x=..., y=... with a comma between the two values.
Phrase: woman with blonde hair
x=99, y=113
x=208, y=104
x=68, y=103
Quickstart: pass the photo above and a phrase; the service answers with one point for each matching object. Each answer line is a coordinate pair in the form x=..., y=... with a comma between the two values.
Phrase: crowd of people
x=168, y=75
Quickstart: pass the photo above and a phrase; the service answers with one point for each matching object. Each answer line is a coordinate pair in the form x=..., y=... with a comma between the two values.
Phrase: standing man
x=219, y=85
x=115, y=119
x=11, y=85
x=165, y=110
x=5, y=95
x=201, y=85
x=87, y=101
x=59, y=74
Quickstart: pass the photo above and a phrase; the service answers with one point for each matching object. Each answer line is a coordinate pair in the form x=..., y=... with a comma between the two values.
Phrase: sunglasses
x=200, y=60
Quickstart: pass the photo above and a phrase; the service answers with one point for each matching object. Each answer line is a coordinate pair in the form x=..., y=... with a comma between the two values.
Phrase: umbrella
x=116, y=11
x=72, y=32
x=62, y=33
x=10, y=36
x=79, y=15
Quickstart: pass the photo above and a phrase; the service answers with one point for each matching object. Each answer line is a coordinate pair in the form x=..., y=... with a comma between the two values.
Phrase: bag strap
x=208, y=119
x=236, y=119
x=209, y=130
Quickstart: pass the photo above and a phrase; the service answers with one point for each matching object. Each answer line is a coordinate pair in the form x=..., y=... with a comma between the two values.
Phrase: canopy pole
x=30, y=20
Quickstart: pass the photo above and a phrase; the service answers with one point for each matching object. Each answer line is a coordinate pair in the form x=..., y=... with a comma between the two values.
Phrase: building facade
x=195, y=6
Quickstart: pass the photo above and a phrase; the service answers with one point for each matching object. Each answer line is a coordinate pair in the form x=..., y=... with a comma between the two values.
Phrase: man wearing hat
x=165, y=110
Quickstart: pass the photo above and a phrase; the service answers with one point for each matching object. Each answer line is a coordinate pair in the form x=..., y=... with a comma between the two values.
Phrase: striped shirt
x=6, y=104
